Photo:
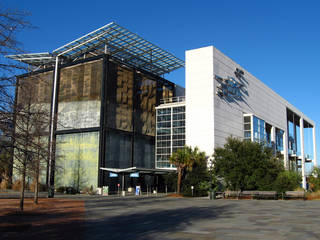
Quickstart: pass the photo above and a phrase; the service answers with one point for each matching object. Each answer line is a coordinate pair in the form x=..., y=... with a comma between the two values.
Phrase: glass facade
x=79, y=96
x=127, y=123
x=40, y=85
x=257, y=130
x=118, y=149
x=247, y=127
x=170, y=134
x=268, y=135
x=77, y=160
x=119, y=97
x=292, y=138
x=131, y=116
x=279, y=139
x=259, y=133
x=145, y=103
x=143, y=154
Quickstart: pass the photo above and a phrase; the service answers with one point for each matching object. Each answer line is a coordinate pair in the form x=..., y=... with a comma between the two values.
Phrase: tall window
x=254, y=129
x=279, y=139
x=247, y=127
x=259, y=134
x=170, y=134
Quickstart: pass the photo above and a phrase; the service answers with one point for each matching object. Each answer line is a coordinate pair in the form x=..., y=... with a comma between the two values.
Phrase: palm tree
x=185, y=158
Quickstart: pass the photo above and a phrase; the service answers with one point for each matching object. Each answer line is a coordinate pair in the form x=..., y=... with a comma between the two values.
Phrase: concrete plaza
x=183, y=218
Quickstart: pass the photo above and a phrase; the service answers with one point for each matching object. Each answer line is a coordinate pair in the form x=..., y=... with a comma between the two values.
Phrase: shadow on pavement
x=150, y=222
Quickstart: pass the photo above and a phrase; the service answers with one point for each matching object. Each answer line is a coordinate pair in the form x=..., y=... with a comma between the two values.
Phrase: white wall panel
x=208, y=114
x=199, y=99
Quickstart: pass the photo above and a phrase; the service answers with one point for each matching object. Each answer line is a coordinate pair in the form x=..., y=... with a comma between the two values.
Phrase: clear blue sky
x=277, y=41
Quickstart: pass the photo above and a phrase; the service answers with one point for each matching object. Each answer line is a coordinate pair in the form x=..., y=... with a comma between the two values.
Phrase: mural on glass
x=77, y=160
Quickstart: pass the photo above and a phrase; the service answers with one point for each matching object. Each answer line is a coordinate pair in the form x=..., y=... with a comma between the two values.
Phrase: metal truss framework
x=113, y=40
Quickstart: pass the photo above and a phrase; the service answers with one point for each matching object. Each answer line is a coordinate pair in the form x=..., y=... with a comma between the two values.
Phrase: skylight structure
x=116, y=41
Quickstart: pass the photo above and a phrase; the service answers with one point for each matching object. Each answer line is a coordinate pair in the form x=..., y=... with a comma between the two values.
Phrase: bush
x=287, y=181
x=61, y=189
x=314, y=180
x=71, y=190
x=313, y=195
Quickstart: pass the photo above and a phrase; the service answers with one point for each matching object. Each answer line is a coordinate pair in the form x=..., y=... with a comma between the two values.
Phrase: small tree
x=11, y=22
x=184, y=159
x=30, y=135
x=246, y=165
x=314, y=179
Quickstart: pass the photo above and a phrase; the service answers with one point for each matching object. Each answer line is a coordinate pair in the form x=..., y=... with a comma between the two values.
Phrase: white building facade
x=223, y=99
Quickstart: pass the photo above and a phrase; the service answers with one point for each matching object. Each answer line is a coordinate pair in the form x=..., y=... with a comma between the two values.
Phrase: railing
x=173, y=100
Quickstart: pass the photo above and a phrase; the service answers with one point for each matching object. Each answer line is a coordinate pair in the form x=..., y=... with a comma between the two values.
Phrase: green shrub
x=314, y=180
x=287, y=181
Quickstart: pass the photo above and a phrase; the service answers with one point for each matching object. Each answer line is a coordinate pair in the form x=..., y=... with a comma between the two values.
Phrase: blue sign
x=113, y=174
x=138, y=190
x=135, y=174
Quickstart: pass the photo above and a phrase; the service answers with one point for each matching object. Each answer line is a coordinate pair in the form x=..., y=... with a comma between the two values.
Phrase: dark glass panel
x=144, y=152
x=247, y=126
x=167, y=91
x=164, y=111
x=37, y=86
x=81, y=82
x=247, y=119
x=118, y=150
x=119, y=97
x=145, y=103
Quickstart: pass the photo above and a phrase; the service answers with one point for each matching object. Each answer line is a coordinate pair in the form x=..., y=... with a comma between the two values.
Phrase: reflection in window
x=119, y=97
x=259, y=134
x=279, y=139
x=145, y=103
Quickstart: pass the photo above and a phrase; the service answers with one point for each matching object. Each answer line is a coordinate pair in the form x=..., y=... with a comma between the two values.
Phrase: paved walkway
x=161, y=217
x=170, y=218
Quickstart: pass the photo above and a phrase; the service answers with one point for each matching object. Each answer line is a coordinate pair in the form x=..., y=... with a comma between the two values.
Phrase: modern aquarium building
x=115, y=121
x=102, y=89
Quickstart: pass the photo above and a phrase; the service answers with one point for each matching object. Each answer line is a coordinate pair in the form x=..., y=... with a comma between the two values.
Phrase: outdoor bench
x=295, y=195
x=251, y=194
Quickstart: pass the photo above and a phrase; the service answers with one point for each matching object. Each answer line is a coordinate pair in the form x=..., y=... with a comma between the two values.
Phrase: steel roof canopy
x=34, y=58
x=119, y=43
